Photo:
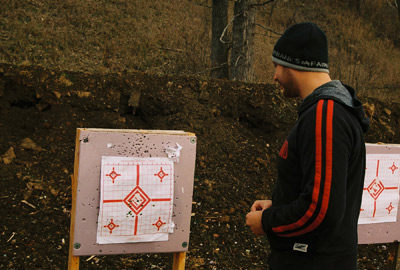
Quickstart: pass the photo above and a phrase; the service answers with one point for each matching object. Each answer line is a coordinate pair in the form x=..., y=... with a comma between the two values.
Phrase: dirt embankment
x=240, y=128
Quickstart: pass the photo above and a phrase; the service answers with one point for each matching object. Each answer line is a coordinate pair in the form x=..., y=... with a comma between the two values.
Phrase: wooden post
x=398, y=257
x=179, y=261
x=73, y=261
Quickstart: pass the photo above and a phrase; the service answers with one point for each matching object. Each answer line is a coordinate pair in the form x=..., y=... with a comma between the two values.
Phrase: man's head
x=302, y=47
x=300, y=57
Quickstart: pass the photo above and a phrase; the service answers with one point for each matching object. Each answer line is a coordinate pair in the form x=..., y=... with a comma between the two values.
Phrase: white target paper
x=136, y=200
x=380, y=198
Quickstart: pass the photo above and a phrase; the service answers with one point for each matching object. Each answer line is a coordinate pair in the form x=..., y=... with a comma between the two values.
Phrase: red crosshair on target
x=159, y=224
x=137, y=200
x=113, y=175
x=161, y=174
x=111, y=226
x=390, y=207
x=393, y=168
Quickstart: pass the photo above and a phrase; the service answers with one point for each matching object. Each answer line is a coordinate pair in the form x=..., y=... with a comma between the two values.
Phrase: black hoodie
x=321, y=168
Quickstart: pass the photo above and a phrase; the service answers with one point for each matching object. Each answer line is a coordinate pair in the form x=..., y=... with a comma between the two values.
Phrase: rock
x=387, y=111
x=30, y=145
x=31, y=185
x=82, y=94
x=57, y=94
x=9, y=156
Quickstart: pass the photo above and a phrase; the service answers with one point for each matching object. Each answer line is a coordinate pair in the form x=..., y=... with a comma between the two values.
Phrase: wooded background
x=175, y=37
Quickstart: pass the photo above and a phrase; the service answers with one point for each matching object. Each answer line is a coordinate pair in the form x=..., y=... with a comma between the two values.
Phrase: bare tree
x=395, y=4
x=219, y=48
x=241, y=67
x=240, y=41
x=398, y=8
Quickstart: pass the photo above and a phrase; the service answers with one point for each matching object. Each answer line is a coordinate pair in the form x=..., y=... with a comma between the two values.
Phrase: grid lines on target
x=136, y=196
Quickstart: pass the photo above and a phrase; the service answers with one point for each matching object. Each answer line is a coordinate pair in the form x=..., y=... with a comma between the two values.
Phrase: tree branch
x=204, y=4
x=172, y=50
x=270, y=30
x=213, y=68
x=226, y=28
x=394, y=4
x=262, y=4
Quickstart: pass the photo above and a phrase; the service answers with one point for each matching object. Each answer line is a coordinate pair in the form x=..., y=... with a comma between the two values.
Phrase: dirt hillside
x=240, y=128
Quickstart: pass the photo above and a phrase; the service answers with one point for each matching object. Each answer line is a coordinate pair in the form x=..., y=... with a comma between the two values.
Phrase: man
x=311, y=221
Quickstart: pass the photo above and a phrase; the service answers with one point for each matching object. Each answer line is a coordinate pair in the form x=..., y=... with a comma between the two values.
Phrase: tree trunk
x=219, y=50
x=398, y=8
x=241, y=67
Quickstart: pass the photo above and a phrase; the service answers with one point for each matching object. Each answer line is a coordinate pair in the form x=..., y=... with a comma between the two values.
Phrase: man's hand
x=261, y=205
x=253, y=219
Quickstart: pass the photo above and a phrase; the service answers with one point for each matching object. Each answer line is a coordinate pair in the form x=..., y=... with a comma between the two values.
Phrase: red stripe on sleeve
x=328, y=175
x=317, y=177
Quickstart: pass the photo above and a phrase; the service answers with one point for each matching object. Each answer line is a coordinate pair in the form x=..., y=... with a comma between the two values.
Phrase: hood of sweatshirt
x=341, y=93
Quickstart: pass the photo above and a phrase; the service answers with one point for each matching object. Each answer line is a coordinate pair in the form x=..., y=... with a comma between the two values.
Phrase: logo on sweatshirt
x=300, y=247
x=284, y=150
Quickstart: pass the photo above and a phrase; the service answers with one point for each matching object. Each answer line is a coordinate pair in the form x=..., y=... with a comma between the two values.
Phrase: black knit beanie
x=303, y=46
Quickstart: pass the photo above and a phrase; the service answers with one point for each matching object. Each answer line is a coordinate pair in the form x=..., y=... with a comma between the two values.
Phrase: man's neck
x=309, y=81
